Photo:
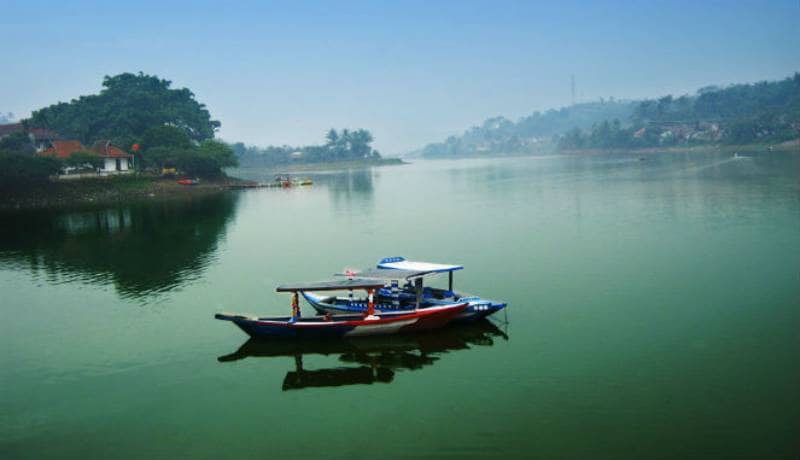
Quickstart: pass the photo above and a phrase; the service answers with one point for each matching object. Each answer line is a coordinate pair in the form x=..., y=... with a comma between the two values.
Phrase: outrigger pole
x=370, y=285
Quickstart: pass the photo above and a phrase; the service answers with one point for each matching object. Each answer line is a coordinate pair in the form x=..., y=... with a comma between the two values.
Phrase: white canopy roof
x=400, y=263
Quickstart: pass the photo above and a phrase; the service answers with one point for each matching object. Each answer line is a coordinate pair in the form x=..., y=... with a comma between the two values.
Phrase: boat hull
x=346, y=325
x=475, y=310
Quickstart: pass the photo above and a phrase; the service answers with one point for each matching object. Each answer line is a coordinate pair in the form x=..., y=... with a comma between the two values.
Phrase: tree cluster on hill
x=167, y=126
x=738, y=114
x=127, y=106
x=530, y=134
x=344, y=145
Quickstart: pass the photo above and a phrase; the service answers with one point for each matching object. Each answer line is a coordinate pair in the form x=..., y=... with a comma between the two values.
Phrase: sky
x=279, y=73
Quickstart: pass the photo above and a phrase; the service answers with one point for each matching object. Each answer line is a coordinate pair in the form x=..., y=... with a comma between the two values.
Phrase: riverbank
x=110, y=190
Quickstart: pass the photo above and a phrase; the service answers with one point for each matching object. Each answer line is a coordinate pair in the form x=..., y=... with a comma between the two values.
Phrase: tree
x=206, y=160
x=332, y=137
x=344, y=145
x=18, y=164
x=127, y=106
x=359, y=144
x=572, y=139
x=239, y=149
x=220, y=152
x=18, y=169
x=17, y=142
x=165, y=136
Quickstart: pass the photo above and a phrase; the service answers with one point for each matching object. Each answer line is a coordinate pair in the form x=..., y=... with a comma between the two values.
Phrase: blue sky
x=411, y=72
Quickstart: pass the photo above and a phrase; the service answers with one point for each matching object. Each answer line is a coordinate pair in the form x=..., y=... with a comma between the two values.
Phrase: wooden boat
x=406, y=291
x=288, y=182
x=368, y=322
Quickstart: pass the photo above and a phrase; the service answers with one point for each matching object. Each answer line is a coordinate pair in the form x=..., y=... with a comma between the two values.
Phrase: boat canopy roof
x=382, y=274
x=333, y=285
x=400, y=263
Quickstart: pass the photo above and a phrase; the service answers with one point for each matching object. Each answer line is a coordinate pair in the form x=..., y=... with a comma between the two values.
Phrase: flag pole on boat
x=370, y=304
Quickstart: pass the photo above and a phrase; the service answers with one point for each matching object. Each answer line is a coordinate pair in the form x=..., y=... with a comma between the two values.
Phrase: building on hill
x=115, y=160
x=9, y=128
x=41, y=138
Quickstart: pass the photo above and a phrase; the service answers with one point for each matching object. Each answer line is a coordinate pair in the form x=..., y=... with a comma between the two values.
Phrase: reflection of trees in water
x=349, y=187
x=143, y=248
x=367, y=360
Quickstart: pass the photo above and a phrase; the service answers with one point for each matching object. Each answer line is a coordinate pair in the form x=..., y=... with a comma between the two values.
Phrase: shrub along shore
x=109, y=191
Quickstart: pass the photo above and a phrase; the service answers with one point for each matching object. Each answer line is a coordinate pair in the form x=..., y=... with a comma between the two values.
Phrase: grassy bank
x=110, y=190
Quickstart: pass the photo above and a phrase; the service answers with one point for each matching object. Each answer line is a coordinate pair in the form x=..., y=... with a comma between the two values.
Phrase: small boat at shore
x=411, y=295
x=188, y=181
x=288, y=182
x=368, y=322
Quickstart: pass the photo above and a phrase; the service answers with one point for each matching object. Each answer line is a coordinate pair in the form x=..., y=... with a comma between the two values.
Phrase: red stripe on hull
x=435, y=321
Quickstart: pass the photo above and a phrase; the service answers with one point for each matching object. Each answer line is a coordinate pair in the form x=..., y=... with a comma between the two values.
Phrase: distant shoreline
x=788, y=146
x=138, y=188
x=326, y=165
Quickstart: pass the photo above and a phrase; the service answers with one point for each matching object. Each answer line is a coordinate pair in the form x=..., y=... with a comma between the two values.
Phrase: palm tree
x=332, y=137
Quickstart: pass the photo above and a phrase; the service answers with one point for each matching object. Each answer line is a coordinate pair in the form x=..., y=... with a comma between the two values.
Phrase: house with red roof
x=115, y=160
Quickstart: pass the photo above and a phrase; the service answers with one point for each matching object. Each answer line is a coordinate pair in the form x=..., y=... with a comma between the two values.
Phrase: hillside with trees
x=764, y=112
x=340, y=146
x=532, y=134
x=141, y=114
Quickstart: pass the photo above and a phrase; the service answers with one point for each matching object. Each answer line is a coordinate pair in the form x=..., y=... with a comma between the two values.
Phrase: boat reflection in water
x=368, y=360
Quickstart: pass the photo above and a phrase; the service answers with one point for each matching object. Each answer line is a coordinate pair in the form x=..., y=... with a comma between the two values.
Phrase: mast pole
x=370, y=302
x=418, y=289
x=295, y=306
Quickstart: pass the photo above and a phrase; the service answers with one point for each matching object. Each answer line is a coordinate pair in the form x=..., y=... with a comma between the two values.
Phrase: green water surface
x=654, y=313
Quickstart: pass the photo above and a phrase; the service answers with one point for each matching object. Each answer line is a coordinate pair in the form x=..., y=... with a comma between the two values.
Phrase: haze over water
x=653, y=314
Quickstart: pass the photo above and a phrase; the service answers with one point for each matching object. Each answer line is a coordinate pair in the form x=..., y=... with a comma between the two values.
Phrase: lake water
x=654, y=313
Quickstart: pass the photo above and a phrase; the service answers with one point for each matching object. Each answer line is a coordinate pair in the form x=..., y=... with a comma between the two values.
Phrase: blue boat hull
x=476, y=310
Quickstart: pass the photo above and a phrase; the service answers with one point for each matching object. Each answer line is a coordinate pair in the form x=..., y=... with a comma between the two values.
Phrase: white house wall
x=110, y=164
